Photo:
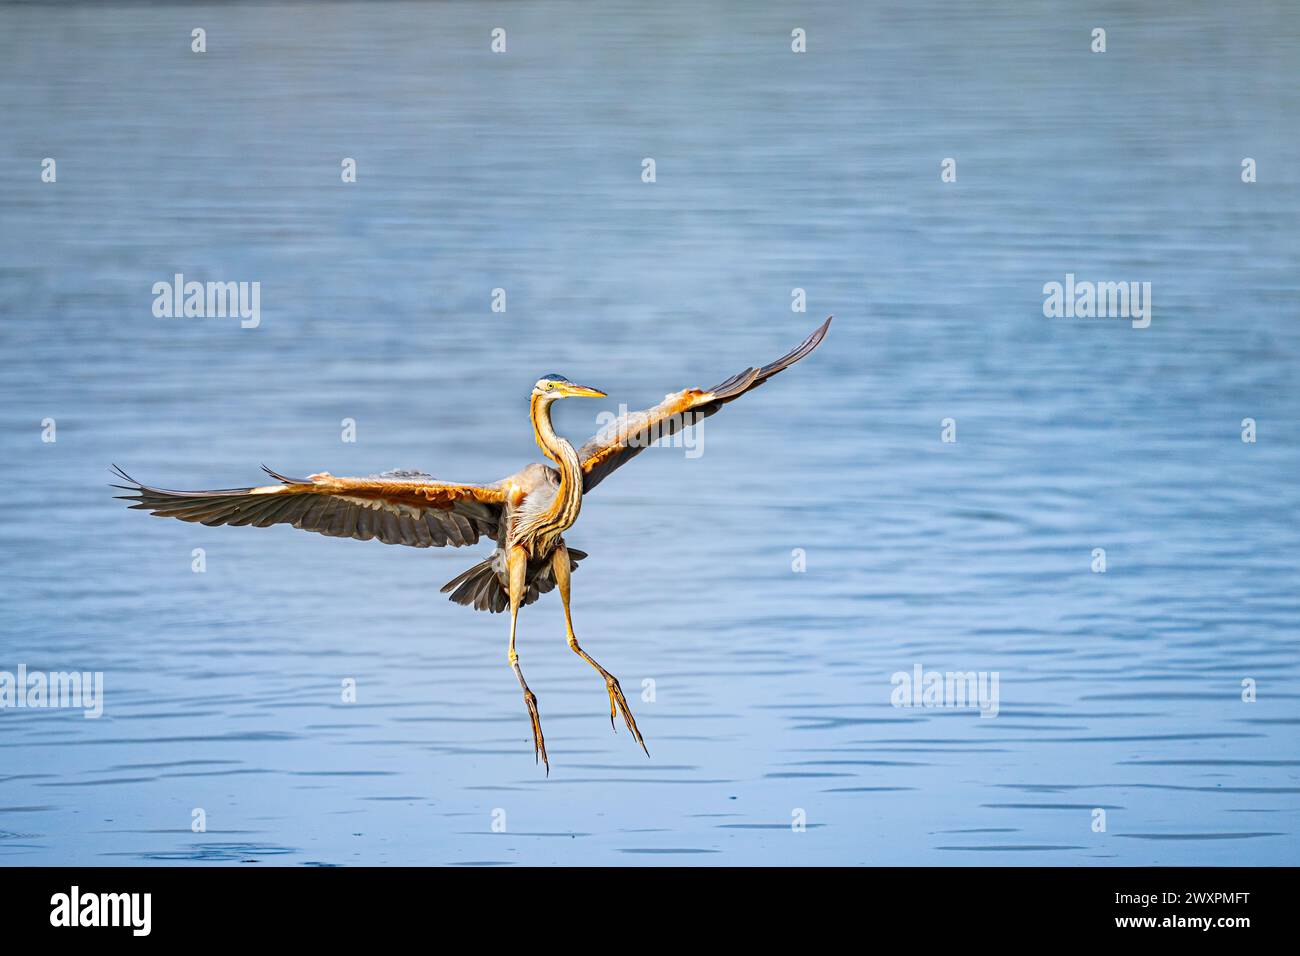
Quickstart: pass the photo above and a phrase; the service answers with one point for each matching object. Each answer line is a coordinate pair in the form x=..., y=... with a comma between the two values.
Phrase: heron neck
x=558, y=449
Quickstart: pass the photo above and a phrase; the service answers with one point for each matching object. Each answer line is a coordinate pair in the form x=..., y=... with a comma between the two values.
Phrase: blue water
x=1119, y=691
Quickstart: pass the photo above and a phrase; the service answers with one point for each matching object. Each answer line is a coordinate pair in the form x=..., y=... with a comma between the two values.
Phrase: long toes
x=539, y=749
x=616, y=695
x=539, y=742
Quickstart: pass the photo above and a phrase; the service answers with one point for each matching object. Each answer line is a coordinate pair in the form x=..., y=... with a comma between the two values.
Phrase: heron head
x=557, y=386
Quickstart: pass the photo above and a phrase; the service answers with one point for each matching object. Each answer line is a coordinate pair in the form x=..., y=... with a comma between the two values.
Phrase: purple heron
x=526, y=514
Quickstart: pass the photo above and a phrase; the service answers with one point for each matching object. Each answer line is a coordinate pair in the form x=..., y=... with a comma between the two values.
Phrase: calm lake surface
x=1119, y=691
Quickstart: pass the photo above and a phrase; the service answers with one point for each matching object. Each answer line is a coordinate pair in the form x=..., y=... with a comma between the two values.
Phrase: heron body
x=526, y=514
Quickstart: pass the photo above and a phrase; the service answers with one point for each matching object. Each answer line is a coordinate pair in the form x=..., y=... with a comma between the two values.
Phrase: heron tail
x=480, y=587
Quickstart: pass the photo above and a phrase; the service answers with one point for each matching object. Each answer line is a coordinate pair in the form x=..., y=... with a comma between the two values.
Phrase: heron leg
x=560, y=568
x=516, y=564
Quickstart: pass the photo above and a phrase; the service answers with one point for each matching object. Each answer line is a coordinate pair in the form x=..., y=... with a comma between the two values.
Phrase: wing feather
x=630, y=434
x=397, y=507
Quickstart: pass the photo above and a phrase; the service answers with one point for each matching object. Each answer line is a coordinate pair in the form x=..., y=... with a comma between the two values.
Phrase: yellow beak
x=569, y=390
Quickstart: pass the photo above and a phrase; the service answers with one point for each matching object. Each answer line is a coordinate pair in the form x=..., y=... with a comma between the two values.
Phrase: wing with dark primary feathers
x=396, y=507
x=625, y=438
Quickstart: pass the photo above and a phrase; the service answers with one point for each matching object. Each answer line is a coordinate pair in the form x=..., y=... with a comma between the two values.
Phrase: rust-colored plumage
x=526, y=514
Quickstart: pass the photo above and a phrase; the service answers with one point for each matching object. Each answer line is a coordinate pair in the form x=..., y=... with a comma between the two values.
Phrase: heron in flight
x=526, y=514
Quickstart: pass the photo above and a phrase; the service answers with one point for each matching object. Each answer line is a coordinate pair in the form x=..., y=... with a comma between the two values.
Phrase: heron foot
x=617, y=705
x=617, y=702
x=539, y=742
x=530, y=700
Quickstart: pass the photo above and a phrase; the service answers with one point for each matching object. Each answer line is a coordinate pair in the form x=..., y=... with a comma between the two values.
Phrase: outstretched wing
x=397, y=507
x=626, y=437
